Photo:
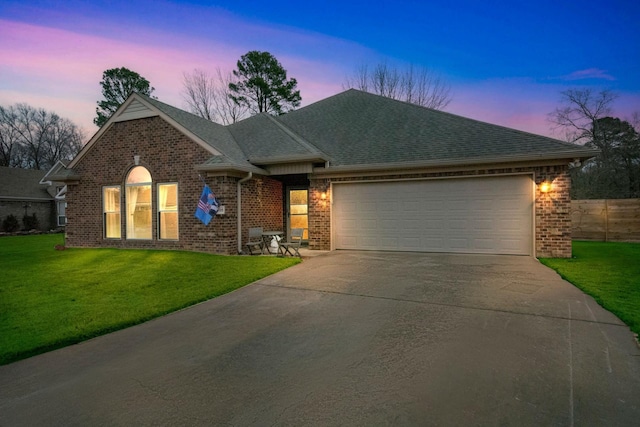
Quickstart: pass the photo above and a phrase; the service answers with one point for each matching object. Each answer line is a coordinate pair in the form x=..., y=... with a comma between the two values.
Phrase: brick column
x=553, y=213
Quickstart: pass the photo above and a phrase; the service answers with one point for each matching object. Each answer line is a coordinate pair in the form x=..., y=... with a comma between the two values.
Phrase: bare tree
x=578, y=116
x=34, y=138
x=9, y=138
x=199, y=93
x=208, y=96
x=420, y=86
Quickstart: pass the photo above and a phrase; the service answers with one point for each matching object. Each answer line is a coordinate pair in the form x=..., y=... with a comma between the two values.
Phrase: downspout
x=239, y=197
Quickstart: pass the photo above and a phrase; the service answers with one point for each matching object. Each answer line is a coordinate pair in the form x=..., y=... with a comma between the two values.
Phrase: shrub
x=30, y=222
x=10, y=224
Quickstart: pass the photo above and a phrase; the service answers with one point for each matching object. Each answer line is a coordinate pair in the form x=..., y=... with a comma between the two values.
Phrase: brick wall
x=262, y=206
x=553, y=213
x=320, y=214
x=552, y=210
x=170, y=157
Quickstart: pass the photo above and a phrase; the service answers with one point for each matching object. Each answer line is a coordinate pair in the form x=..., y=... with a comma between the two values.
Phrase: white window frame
x=128, y=188
x=105, y=212
x=161, y=210
x=62, y=219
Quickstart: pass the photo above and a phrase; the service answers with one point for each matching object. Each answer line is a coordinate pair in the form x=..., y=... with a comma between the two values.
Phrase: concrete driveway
x=352, y=338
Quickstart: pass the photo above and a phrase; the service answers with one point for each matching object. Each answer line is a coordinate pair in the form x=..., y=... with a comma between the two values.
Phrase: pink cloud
x=60, y=70
x=515, y=103
x=590, y=73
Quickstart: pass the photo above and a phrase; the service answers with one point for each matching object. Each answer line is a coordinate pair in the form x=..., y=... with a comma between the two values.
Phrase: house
x=23, y=192
x=356, y=170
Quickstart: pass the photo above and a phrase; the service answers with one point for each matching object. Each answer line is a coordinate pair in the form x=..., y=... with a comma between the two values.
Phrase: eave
x=563, y=157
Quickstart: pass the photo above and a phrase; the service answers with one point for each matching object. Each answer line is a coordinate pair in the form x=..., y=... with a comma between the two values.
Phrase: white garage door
x=470, y=215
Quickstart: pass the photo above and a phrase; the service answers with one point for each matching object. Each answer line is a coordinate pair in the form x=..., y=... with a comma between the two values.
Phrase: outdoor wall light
x=136, y=159
x=323, y=196
x=545, y=187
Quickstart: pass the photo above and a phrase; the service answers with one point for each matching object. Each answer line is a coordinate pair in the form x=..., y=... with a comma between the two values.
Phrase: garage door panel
x=483, y=215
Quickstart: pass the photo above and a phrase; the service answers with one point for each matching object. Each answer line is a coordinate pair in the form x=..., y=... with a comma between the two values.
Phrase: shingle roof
x=264, y=137
x=358, y=128
x=354, y=130
x=214, y=134
x=22, y=184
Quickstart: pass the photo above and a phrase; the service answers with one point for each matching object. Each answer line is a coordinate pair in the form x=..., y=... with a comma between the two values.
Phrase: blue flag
x=207, y=206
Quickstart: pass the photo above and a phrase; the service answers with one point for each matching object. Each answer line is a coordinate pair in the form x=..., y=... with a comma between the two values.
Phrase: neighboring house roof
x=59, y=166
x=350, y=131
x=22, y=184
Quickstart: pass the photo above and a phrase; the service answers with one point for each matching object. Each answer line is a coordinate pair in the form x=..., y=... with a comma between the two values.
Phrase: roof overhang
x=230, y=168
x=529, y=159
x=292, y=158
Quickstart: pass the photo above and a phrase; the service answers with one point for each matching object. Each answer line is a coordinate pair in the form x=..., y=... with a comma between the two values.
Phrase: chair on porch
x=255, y=240
x=292, y=245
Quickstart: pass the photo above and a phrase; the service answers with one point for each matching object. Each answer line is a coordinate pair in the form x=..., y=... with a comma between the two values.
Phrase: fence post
x=606, y=220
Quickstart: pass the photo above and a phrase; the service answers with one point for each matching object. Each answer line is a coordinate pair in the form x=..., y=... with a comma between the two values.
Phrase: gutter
x=377, y=167
x=239, y=198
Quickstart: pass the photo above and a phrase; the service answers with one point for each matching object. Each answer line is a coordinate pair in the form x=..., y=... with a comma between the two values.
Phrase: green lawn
x=50, y=299
x=609, y=272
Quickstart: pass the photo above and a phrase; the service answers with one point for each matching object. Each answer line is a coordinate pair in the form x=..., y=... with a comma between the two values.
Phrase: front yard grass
x=50, y=299
x=609, y=272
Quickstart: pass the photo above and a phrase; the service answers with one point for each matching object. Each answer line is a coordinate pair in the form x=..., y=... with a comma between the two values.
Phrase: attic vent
x=135, y=110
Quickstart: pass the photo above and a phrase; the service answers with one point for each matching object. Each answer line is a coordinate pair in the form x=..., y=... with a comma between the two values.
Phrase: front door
x=298, y=210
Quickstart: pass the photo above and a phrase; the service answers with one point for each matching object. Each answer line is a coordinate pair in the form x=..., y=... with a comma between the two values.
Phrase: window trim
x=62, y=219
x=105, y=212
x=127, y=186
x=160, y=211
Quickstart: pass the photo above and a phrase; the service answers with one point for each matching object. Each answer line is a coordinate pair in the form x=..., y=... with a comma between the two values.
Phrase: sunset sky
x=506, y=62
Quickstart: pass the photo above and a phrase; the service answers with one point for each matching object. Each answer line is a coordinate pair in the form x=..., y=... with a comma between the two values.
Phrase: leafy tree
x=117, y=85
x=615, y=172
x=419, y=86
x=34, y=138
x=209, y=97
x=262, y=85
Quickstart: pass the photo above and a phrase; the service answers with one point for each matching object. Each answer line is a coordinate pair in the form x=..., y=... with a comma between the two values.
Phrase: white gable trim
x=135, y=110
x=136, y=107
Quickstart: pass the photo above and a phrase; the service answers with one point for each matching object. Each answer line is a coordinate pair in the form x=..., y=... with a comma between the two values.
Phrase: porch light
x=136, y=160
x=545, y=187
x=323, y=196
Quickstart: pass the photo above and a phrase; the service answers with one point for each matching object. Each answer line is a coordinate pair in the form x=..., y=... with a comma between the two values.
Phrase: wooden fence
x=615, y=220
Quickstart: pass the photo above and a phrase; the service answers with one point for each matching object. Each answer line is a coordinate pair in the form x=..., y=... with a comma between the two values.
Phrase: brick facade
x=262, y=206
x=170, y=157
x=553, y=213
x=552, y=218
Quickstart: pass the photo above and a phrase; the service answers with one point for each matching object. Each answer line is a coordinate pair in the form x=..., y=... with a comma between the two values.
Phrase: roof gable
x=213, y=137
x=268, y=141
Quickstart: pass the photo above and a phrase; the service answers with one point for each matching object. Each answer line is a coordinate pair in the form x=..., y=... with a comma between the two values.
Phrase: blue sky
x=507, y=62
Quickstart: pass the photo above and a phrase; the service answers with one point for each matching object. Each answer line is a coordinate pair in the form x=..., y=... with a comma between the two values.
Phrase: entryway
x=298, y=210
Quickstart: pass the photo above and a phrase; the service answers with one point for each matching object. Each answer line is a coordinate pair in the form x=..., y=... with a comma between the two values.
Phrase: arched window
x=138, y=202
